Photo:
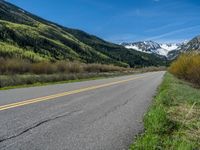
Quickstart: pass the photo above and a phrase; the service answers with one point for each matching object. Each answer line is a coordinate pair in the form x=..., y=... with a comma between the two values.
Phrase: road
x=103, y=114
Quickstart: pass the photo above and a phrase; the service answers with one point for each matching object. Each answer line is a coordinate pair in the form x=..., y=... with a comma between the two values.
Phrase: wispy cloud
x=166, y=26
x=159, y=37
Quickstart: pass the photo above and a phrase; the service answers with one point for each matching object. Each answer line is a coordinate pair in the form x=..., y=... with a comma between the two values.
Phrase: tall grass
x=19, y=66
x=29, y=79
x=187, y=67
x=22, y=72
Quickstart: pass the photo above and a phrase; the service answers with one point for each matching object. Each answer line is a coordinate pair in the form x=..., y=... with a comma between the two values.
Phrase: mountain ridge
x=187, y=47
x=28, y=36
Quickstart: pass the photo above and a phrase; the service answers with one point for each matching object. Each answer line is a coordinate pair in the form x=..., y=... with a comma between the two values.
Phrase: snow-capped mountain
x=192, y=45
x=186, y=47
x=152, y=47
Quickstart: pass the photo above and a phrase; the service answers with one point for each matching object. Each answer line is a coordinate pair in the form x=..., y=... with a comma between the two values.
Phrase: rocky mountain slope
x=191, y=46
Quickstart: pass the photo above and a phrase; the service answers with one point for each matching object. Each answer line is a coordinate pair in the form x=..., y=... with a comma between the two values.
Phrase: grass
x=14, y=72
x=50, y=83
x=173, y=120
x=10, y=81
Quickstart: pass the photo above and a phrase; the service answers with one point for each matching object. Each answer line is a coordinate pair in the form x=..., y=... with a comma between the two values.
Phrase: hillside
x=26, y=36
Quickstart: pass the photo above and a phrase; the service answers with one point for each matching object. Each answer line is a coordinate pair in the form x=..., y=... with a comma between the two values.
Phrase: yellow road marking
x=51, y=97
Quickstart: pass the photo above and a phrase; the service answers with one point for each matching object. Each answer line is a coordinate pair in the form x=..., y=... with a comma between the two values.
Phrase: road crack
x=113, y=109
x=37, y=125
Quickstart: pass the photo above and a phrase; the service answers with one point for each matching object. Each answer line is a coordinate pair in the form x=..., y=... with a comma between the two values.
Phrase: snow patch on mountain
x=153, y=47
x=169, y=47
x=135, y=48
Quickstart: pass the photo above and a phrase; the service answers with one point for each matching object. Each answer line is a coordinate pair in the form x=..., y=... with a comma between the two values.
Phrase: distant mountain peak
x=187, y=46
x=153, y=47
x=193, y=45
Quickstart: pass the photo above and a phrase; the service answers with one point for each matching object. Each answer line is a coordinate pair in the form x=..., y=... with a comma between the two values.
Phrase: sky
x=119, y=21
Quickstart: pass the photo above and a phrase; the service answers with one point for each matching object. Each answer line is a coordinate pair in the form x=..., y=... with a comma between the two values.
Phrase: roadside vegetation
x=29, y=80
x=20, y=72
x=173, y=120
x=20, y=66
x=187, y=67
x=15, y=72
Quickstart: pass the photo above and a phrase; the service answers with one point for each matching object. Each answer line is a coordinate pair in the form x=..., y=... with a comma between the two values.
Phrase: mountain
x=27, y=36
x=152, y=47
x=191, y=46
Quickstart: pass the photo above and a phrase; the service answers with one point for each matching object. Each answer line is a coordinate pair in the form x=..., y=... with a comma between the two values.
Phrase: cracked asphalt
x=106, y=118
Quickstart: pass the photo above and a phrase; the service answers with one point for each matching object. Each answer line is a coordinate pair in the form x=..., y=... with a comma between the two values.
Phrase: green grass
x=173, y=120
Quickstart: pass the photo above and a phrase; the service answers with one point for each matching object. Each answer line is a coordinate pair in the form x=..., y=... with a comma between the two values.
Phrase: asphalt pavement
x=103, y=114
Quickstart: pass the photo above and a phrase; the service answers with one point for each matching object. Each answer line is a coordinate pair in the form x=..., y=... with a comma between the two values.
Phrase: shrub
x=13, y=66
x=21, y=66
x=187, y=67
x=43, y=68
x=15, y=80
x=102, y=68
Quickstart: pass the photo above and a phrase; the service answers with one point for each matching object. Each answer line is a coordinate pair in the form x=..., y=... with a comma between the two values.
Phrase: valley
x=71, y=79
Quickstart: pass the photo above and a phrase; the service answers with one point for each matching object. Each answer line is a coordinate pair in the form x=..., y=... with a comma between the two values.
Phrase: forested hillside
x=26, y=36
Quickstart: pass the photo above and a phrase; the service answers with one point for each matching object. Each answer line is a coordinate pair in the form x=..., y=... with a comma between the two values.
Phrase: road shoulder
x=172, y=121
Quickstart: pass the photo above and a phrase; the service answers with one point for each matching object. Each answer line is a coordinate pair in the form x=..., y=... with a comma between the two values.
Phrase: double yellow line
x=51, y=97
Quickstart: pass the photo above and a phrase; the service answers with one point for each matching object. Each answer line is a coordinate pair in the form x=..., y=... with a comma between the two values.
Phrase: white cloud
x=159, y=37
x=166, y=26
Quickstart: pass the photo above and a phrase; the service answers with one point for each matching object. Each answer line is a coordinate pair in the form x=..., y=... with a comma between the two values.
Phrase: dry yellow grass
x=19, y=66
x=187, y=67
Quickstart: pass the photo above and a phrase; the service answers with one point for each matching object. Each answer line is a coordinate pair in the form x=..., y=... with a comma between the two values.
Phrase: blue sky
x=123, y=20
